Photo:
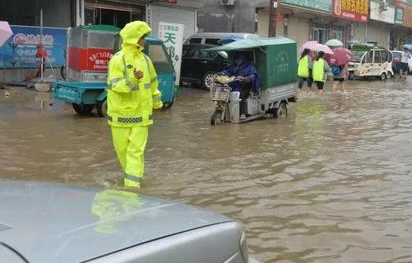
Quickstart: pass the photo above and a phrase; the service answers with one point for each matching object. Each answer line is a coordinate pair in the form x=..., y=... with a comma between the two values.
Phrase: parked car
x=199, y=65
x=211, y=38
x=50, y=223
x=396, y=59
x=397, y=56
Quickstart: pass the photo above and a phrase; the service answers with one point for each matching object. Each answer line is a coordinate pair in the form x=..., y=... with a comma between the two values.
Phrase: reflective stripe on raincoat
x=131, y=101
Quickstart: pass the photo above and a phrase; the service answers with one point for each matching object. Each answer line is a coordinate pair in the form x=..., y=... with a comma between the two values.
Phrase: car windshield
x=357, y=55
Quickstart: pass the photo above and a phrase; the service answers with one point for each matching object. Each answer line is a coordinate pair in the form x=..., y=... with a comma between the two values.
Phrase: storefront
x=377, y=30
x=350, y=20
x=173, y=11
x=112, y=12
x=402, y=30
x=119, y=13
x=299, y=20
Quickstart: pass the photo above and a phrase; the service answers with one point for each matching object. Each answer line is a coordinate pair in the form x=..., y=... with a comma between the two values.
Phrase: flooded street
x=331, y=183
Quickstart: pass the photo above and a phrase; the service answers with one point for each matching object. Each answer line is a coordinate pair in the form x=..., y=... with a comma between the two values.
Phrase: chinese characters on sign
x=172, y=36
x=356, y=10
x=405, y=9
x=20, y=49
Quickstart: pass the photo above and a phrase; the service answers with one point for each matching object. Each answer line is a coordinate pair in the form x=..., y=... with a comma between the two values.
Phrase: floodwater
x=331, y=183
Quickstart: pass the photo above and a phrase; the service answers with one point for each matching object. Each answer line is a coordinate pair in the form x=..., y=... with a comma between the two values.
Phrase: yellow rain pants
x=130, y=144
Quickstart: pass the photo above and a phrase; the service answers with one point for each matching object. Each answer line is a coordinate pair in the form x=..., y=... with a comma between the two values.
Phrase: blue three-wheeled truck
x=88, y=53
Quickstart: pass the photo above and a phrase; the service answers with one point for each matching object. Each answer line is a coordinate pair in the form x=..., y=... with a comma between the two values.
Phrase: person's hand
x=138, y=74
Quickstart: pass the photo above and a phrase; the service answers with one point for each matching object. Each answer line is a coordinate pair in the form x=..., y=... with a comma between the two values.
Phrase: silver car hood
x=50, y=222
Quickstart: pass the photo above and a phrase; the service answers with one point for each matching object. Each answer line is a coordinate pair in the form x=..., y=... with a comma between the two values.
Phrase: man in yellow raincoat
x=132, y=94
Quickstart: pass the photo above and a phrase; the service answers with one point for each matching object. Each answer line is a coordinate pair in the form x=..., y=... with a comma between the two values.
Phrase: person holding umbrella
x=340, y=73
x=339, y=61
x=320, y=72
x=305, y=71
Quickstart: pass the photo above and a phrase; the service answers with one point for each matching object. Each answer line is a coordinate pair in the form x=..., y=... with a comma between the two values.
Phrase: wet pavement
x=331, y=183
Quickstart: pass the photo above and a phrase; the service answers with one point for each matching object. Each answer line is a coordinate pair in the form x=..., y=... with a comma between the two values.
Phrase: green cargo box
x=275, y=58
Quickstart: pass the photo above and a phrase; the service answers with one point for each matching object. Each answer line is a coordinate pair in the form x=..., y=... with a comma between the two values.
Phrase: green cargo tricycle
x=88, y=53
x=276, y=62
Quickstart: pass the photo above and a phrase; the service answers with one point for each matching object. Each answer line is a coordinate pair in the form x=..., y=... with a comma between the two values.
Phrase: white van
x=211, y=38
x=372, y=62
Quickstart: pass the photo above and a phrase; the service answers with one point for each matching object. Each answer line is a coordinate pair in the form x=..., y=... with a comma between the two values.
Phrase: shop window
x=89, y=16
x=104, y=16
x=337, y=34
x=320, y=34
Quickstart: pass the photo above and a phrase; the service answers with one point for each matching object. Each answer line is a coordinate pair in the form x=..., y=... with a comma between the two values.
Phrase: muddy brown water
x=331, y=183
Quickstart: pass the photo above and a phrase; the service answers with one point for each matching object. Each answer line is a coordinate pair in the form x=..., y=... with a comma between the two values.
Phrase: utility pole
x=272, y=19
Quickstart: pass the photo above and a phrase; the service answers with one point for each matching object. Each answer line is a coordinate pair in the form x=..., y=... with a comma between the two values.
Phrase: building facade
x=366, y=21
x=19, y=59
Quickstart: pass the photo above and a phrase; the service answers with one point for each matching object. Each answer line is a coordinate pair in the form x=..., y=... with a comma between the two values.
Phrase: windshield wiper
x=15, y=252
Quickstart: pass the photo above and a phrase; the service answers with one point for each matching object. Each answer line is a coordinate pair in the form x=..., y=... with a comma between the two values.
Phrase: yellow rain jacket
x=131, y=101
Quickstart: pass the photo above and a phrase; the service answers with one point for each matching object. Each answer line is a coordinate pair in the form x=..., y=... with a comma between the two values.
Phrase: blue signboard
x=20, y=49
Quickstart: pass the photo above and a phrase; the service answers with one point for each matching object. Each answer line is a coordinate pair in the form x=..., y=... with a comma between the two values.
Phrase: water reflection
x=329, y=184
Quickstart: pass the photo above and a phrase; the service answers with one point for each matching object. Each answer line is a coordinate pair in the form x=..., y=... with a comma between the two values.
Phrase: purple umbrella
x=5, y=32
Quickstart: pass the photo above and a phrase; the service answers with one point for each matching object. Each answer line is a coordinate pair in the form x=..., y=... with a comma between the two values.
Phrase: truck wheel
x=383, y=76
x=168, y=105
x=216, y=118
x=83, y=109
x=102, y=108
x=281, y=111
x=207, y=80
x=351, y=75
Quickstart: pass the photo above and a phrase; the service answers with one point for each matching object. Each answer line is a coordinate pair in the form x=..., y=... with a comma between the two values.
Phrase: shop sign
x=407, y=13
x=378, y=14
x=172, y=36
x=319, y=5
x=398, y=15
x=20, y=49
x=355, y=10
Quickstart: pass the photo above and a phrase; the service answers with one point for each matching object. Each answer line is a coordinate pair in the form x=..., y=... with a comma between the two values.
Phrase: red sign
x=98, y=59
x=356, y=10
x=94, y=59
